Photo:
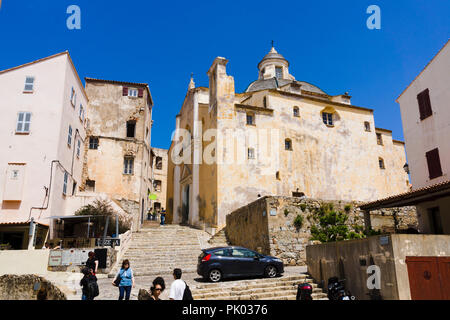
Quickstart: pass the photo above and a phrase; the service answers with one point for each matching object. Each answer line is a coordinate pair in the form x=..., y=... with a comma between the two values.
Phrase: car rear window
x=222, y=253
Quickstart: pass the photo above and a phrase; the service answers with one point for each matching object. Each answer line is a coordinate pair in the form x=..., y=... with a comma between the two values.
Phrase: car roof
x=229, y=247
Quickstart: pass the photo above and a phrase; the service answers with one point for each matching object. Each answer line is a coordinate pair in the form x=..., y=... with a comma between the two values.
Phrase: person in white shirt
x=177, y=287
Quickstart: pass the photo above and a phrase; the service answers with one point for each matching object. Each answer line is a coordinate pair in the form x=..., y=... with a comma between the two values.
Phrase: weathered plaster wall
x=344, y=259
x=425, y=135
x=161, y=175
x=13, y=262
x=49, y=103
x=326, y=162
x=350, y=260
x=415, y=245
x=109, y=112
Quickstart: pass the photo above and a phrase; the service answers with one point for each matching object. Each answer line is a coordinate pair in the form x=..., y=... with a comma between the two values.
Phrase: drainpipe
x=47, y=192
x=31, y=232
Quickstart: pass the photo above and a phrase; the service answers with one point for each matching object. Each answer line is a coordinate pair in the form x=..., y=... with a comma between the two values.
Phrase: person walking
x=89, y=285
x=157, y=288
x=177, y=287
x=126, y=280
x=163, y=216
x=92, y=262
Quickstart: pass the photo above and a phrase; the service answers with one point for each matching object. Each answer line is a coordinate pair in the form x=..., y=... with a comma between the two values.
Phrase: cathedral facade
x=280, y=136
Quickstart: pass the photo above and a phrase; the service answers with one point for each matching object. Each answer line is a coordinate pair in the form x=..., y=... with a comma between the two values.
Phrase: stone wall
x=268, y=224
x=28, y=287
x=248, y=227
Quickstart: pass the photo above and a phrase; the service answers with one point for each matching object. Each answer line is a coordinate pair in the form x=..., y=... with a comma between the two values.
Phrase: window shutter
x=434, y=163
x=125, y=91
x=423, y=99
x=141, y=93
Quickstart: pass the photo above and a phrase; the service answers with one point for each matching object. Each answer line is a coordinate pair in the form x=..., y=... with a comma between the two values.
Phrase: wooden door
x=424, y=278
x=444, y=272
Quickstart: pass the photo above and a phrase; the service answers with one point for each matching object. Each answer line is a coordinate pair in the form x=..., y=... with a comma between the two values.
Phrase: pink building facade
x=42, y=137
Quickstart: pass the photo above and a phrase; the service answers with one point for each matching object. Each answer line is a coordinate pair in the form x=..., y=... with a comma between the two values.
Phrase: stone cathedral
x=290, y=139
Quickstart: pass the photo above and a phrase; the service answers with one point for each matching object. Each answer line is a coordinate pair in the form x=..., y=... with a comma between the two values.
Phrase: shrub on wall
x=298, y=222
x=331, y=225
x=101, y=209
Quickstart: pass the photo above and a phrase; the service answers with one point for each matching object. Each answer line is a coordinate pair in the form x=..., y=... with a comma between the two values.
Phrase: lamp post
x=406, y=168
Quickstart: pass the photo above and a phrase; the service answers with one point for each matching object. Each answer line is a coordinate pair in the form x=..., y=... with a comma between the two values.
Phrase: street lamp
x=406, y=168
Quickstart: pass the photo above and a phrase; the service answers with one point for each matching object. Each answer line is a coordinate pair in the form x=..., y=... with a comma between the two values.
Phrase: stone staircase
x=219, y=239
x=157, y=250
x=282, y=288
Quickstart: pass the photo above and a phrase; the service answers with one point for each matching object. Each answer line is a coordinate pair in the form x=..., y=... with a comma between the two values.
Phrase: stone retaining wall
x=28, y=287
x=267, y=225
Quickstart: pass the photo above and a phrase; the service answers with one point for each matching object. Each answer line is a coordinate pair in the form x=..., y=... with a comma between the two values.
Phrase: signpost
x=100, y=242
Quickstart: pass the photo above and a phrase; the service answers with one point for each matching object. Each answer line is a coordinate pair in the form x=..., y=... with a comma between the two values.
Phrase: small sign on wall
x=384, y=241
x=273, y=212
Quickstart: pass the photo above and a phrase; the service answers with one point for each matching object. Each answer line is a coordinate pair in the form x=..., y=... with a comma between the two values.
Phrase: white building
x=42, y=133
x=425, y=111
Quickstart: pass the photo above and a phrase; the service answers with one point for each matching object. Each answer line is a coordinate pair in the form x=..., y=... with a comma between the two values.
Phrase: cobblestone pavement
x=109, y=292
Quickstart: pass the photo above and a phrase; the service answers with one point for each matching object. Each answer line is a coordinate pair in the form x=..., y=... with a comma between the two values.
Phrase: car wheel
x=215, y=275
x=271, y=272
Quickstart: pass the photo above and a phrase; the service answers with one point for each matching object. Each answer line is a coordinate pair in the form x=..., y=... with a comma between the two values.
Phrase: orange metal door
x=444, y=271
x=424, y=278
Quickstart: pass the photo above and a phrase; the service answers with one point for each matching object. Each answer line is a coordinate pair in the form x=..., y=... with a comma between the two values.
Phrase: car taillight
x=206, y=258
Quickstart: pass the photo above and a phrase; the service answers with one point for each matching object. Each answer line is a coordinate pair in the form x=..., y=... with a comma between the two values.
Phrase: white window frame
x=128, y=165
x=81, y=115
x=132, y=92
x=281, y=71
x=78, y=147
x=69, y=137
x=72, y=97
x=252, y=117
x=28, y=84
x=251, y=153
x=329, y=121
x=66, y=180
x=23, y=122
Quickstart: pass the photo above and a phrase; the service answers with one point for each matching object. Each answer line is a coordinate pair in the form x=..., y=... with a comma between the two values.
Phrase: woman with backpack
x=124, y=280
x=89, y=284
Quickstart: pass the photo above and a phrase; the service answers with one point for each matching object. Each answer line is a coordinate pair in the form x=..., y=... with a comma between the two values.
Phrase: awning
x=411, y=198
x=20, y=224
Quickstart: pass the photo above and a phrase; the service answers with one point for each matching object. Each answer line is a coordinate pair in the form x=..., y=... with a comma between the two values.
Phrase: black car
x=215, y=264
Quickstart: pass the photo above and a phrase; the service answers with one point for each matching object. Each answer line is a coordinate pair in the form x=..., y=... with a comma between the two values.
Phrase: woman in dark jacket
x=92, y=262
x=88, y=277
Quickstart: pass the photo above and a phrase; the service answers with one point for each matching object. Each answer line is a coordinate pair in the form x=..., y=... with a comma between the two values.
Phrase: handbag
x=117, y=281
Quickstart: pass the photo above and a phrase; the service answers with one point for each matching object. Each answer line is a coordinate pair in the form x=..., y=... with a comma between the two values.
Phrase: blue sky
x=161, y=42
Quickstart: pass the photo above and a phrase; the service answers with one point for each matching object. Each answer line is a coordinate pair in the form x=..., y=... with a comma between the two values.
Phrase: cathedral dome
x=273, y=56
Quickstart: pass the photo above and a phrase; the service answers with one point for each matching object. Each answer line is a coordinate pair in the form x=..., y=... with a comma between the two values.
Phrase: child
x=89, y=284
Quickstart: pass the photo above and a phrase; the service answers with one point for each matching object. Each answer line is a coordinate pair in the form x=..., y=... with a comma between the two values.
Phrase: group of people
x=153, y=213
x=125, y=281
